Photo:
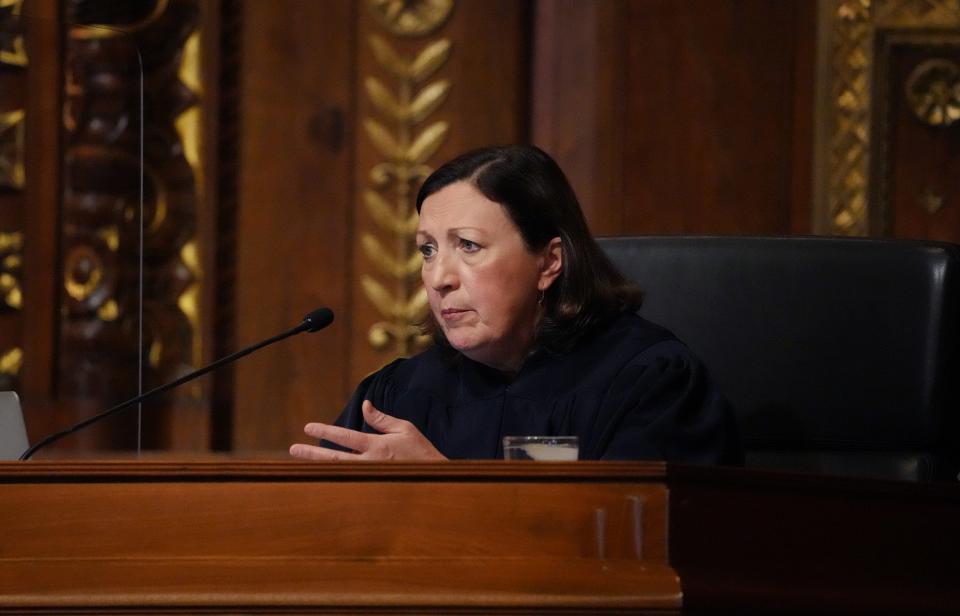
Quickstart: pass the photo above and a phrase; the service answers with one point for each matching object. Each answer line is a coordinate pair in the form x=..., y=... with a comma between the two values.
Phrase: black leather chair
x=839, y=355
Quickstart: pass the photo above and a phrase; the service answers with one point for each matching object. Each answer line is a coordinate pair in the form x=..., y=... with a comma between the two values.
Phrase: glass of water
x=544, y=448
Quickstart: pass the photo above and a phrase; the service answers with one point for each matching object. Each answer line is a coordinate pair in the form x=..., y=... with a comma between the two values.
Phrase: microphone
x=315, y=321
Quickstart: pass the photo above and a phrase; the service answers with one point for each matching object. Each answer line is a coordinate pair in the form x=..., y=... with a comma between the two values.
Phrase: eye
x=427, y=250
x=468, y=245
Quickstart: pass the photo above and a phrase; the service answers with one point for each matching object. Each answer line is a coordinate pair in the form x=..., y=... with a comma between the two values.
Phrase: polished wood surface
x=285, y=536
x=679, y=117
x=279, y=536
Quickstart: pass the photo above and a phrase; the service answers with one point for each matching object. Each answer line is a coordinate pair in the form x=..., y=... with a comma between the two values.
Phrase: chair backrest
x=839, y=355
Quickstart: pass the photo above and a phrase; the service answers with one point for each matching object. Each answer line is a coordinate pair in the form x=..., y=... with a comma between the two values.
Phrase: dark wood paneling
x=577, y=101
x=41, y=219
x=917, y=166
x=709, y=99
x=680, y=117
x=294, y=211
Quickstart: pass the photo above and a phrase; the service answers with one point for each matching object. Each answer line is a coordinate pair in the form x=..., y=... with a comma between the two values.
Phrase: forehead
x=461, y=205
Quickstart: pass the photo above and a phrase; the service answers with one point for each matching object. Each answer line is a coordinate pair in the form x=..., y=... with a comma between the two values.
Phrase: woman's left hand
x=398, y=440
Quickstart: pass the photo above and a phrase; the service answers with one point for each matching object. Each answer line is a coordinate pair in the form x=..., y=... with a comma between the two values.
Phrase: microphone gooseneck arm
x=315, y=321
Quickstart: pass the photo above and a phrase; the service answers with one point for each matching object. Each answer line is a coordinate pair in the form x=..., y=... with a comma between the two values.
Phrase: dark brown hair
x=535, y=194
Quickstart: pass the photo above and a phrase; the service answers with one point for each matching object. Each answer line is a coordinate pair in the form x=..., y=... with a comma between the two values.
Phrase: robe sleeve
x=663, y=406
x=378, y=389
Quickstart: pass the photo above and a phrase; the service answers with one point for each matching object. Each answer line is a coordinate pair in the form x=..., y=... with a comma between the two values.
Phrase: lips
x=452, y=314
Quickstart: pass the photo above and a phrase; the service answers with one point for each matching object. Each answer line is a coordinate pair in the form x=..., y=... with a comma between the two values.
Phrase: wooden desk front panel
x=256, y=540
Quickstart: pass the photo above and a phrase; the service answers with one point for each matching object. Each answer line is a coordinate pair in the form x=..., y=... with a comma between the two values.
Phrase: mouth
x=452, y=314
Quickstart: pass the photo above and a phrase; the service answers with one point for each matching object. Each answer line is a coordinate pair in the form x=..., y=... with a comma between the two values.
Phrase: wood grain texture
x=286, y=536
x=679, y=117
x=295, y=205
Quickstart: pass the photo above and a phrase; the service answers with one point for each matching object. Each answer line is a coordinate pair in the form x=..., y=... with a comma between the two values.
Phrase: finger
x=380, y=420
x=351, y=439
x=312, y=452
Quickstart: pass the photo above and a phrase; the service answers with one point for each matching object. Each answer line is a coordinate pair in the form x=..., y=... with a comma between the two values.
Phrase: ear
x=551, y=264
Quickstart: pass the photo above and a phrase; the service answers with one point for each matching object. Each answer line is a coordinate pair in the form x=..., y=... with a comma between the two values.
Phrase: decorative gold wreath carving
x=933, y=92
x=411, y=17
x=389, y=199
x=853, y=24
x=11, y=269
x=11, y=36
x=11, y=361
x=12, y=172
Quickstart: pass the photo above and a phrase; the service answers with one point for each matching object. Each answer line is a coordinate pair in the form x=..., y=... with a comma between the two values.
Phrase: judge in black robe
x=535, y=334
x=631, y=391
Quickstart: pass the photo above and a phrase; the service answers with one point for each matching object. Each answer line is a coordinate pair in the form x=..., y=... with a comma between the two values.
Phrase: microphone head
x=318, y=319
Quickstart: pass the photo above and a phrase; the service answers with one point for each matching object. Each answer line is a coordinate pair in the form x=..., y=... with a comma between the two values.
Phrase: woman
x=535, y=334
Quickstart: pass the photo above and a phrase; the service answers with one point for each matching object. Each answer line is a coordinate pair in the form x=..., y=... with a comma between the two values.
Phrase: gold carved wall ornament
x=12, y=173
x=933, y=92
x=403, y=135
x=11, y=269
x=12, y=51
x=847, y=37
x=411, y=17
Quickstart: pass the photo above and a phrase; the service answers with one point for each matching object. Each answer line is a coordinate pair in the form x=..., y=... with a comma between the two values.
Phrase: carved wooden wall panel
x=149, y=49
x=294, y=212
x=14, y=65
x=916, y=175
x=856, y=87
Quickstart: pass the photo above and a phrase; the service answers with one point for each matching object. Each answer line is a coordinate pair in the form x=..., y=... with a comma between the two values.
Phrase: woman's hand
x=398, y=440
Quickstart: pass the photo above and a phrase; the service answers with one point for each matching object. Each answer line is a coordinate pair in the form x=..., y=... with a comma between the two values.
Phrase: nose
x=440, y=274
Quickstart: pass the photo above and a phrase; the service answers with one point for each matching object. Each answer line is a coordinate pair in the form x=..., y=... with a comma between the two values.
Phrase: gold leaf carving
x=382, y=139
x=12, y=51
x=395, y=178
x=430, y=59
x=428, y=142
x=388, y=58
x=10, y=289
x=379, y=297
x=384, y=216
x=109, y=311
x=11, y=361
x=380, y=257
x=12, y=171
x=428, y=100
x=411, y=17
x=383, y=99
x=416, y=308
x=387, y=263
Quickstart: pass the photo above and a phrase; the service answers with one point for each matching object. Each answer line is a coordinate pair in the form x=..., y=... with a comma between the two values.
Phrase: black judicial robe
x=629, y=391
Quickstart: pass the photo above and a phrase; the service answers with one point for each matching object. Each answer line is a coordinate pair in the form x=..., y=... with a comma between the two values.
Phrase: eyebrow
x=451, y=231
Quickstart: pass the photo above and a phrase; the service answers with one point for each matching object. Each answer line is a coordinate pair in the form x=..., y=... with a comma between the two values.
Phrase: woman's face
x=482, y=282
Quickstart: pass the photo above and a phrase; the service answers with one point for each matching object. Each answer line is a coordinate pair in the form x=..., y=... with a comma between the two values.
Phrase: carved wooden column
x=136, y=57
x=13, y=78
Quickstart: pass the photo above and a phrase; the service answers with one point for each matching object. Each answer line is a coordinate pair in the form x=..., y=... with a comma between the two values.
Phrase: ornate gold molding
x=389, y=199
x=189, y=128
x=11, y=269
x=933, y=92
x=12, y=173
x=11, y=35
x=108, y=31
x=411, y=17
x=846, y=61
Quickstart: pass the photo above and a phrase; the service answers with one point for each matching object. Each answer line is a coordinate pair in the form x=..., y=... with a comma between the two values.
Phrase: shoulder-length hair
x=535, y=194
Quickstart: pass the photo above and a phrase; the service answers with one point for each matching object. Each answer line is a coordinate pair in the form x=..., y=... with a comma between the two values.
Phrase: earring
x=540, y=298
